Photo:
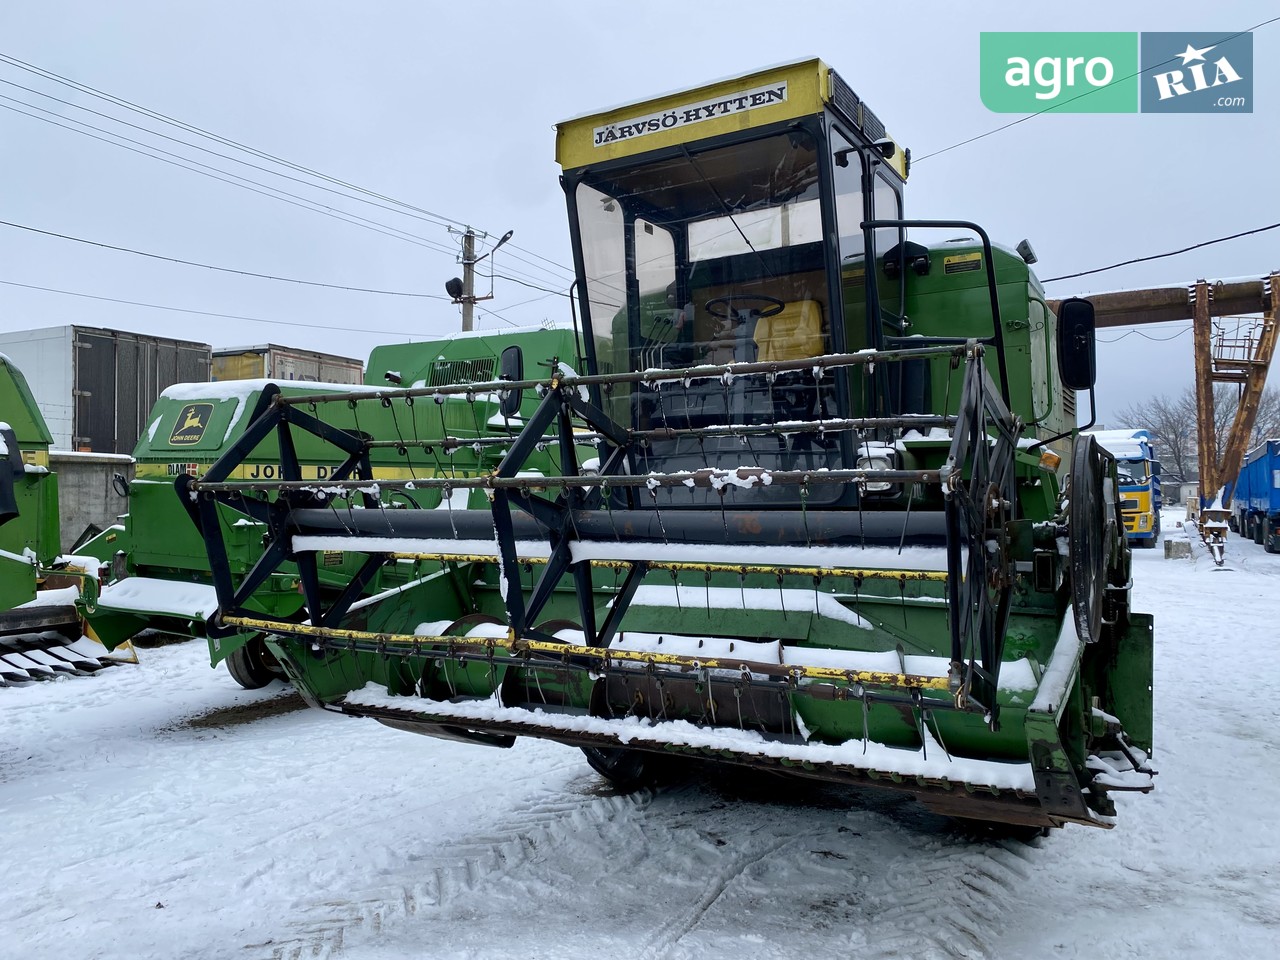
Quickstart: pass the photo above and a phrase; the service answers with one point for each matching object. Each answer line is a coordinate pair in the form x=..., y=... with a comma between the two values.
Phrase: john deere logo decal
x=191, y=424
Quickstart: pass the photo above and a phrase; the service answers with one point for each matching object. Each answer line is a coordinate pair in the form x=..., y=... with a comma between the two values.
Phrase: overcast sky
x=451, y=108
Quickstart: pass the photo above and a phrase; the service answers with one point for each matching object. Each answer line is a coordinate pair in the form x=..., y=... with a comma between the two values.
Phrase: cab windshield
x=713, y=257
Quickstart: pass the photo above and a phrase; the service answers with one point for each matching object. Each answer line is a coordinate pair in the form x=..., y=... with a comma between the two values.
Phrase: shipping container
x=95, y=386
x=1255, y=497
x=273, y=362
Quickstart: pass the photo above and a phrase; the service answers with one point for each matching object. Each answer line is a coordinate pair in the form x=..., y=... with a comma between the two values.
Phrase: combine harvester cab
x=159, y=570
x=838, y=522
x=40, y=635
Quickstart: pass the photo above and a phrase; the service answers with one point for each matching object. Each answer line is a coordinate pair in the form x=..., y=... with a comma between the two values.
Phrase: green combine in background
x=160, y=577
x=839, y=521
x=40, y=635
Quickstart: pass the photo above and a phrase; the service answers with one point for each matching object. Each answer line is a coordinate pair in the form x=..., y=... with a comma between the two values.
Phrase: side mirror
x=1156, y=469
x=1076, y=344
x=511, y=367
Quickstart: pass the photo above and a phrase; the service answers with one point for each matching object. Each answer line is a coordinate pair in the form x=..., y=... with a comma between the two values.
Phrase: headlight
x=877, y=460
x=1143, y=522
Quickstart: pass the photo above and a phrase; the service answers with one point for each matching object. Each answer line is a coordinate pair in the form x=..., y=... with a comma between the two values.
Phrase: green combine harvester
x=160, y=577
x=838, y=521
x=40, y=635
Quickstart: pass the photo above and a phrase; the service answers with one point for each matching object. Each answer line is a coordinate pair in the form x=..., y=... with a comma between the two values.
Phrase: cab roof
x=769, y=95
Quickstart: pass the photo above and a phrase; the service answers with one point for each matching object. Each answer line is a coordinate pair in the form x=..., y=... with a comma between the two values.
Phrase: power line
x=558, y=293
x=194, y=146
x=1161, y=256
x=209, y=266
x=224, y=176
x=1146, y=336
x=406, y=208
x=1063, y=103
x=199, y=313
x=230, y=178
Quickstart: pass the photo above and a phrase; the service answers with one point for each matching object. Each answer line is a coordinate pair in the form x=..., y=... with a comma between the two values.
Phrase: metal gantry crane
x=1242, y=359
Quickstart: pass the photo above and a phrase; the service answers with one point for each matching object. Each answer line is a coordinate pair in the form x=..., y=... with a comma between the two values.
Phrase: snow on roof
x=1124, y=444
x=243, y=389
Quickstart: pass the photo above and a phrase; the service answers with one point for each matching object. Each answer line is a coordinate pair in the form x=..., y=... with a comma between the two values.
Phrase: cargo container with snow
x=273, y=362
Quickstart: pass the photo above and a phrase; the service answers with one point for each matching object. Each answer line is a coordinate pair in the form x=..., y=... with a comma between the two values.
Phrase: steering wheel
x=773, y=306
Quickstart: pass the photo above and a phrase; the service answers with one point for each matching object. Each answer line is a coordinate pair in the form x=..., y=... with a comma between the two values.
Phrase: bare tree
x=1172, y=422
x=1173, y=431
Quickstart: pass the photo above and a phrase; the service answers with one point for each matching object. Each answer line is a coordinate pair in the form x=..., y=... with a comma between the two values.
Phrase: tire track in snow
x=660, y=946
x=470, y=862
x=942, y=900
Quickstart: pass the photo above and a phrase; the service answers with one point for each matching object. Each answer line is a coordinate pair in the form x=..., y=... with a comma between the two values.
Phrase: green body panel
x=17, y=581
x=34, y=532
x=958, y=304
x=160, y=541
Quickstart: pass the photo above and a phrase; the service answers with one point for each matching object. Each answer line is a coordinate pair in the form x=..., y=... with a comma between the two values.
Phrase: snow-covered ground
x=160, y=811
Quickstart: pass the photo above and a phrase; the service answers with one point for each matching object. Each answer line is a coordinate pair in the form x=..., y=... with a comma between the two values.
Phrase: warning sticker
x=962, y=262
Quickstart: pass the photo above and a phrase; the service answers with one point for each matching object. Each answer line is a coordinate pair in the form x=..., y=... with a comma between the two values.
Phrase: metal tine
x=911, y=496
x=924, y=742
x=935, y=729
x=382, y=511
x=862, y=529
x=707, y=578
x=658, y=513
x=608, y=506
x=866, y=709
x=444, y=431
x=395, y=421
x=447, y=493
x=676, y=587
x=448, y=677
x=537, y=682
x=475, y=421
x=782, y=597
x=804, y=513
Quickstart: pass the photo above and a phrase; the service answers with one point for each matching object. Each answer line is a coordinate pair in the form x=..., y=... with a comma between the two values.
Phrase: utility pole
x=463, y=290
x=468, y=297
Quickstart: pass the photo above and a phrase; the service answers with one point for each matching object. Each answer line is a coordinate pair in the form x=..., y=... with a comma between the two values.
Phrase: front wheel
x=628, y=770
x=252, y=665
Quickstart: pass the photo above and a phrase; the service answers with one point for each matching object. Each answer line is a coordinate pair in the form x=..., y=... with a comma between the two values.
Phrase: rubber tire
x=1257, y=532
x=1266, y=535
x=627, y=770
x=249, y=666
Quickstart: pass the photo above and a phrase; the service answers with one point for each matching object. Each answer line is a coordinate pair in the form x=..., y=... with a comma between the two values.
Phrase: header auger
x=805, y=508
